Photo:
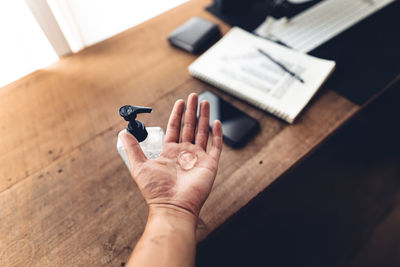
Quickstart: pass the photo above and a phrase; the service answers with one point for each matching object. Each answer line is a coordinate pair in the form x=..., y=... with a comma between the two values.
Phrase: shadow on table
x=338, y=208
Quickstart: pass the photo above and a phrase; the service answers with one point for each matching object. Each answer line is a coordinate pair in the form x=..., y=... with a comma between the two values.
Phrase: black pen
x=294, y=75
x=272, y=39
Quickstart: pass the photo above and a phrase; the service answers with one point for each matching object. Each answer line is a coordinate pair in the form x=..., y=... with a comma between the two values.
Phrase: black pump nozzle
x=135, y=127
x=129, y=112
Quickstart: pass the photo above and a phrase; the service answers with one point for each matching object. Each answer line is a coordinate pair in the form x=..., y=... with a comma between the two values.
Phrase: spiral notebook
x=236, y=66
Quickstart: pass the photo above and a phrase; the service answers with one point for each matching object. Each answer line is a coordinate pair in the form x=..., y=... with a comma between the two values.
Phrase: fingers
x=174, y=123
x=189, y=122
x=203, y=125
x=132, y=149
x=216, y=142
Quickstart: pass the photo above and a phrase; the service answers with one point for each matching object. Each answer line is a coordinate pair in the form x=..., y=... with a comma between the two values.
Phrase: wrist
x=170, y=234
x=173, y=215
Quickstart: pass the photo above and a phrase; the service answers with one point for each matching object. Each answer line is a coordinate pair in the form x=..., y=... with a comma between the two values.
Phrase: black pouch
x=196, y=35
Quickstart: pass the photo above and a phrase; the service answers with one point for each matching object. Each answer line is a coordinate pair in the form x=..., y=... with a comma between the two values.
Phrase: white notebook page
x=324, y=21
x=235, y=65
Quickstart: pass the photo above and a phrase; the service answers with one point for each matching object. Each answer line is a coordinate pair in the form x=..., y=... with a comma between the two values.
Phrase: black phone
x=238, y=127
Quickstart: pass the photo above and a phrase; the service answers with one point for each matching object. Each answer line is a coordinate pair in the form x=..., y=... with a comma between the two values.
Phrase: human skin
x=175, y=195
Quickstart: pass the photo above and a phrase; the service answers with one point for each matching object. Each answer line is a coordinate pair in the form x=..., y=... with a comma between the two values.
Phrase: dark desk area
x=67, y=199
x=339, y=207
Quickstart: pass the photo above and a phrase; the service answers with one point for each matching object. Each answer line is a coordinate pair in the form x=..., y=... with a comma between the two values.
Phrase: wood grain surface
x=67, y=198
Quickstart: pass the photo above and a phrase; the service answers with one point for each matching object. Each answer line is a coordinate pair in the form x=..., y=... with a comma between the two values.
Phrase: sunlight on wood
x=23, y=46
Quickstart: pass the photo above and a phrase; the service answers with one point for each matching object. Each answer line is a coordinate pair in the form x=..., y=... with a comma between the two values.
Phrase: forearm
x=168, y=240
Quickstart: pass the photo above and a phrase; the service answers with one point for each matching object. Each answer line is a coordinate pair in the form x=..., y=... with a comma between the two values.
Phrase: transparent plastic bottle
x=150, y=139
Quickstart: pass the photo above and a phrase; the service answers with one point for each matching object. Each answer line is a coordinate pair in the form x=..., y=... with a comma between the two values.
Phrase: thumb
x=132, y=149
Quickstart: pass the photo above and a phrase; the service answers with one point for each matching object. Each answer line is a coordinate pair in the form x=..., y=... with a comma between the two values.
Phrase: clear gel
x=187, y=160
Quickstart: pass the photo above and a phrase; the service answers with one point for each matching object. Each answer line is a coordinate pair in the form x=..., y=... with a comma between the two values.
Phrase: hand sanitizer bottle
x=151, y=139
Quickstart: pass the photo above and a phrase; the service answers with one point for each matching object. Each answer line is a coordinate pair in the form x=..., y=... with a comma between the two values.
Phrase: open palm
x=163, y=181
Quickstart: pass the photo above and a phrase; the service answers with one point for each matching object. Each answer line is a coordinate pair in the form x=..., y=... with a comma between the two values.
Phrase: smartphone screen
x=238, y=127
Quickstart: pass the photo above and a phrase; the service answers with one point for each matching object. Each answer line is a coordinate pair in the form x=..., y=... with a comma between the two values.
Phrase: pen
x=294, y=75
x=272, y=39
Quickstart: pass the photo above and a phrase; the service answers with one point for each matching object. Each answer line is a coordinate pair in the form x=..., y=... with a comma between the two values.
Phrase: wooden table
x=66, y=197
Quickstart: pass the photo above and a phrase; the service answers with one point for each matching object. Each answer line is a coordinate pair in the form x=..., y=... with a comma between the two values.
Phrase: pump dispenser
x=151, y=139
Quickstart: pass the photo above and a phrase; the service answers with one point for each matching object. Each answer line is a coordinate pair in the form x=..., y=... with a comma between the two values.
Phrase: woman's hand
x=162, y=181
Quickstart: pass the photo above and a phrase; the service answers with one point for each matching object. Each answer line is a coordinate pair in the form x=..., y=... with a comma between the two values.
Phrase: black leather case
x=195, y=35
